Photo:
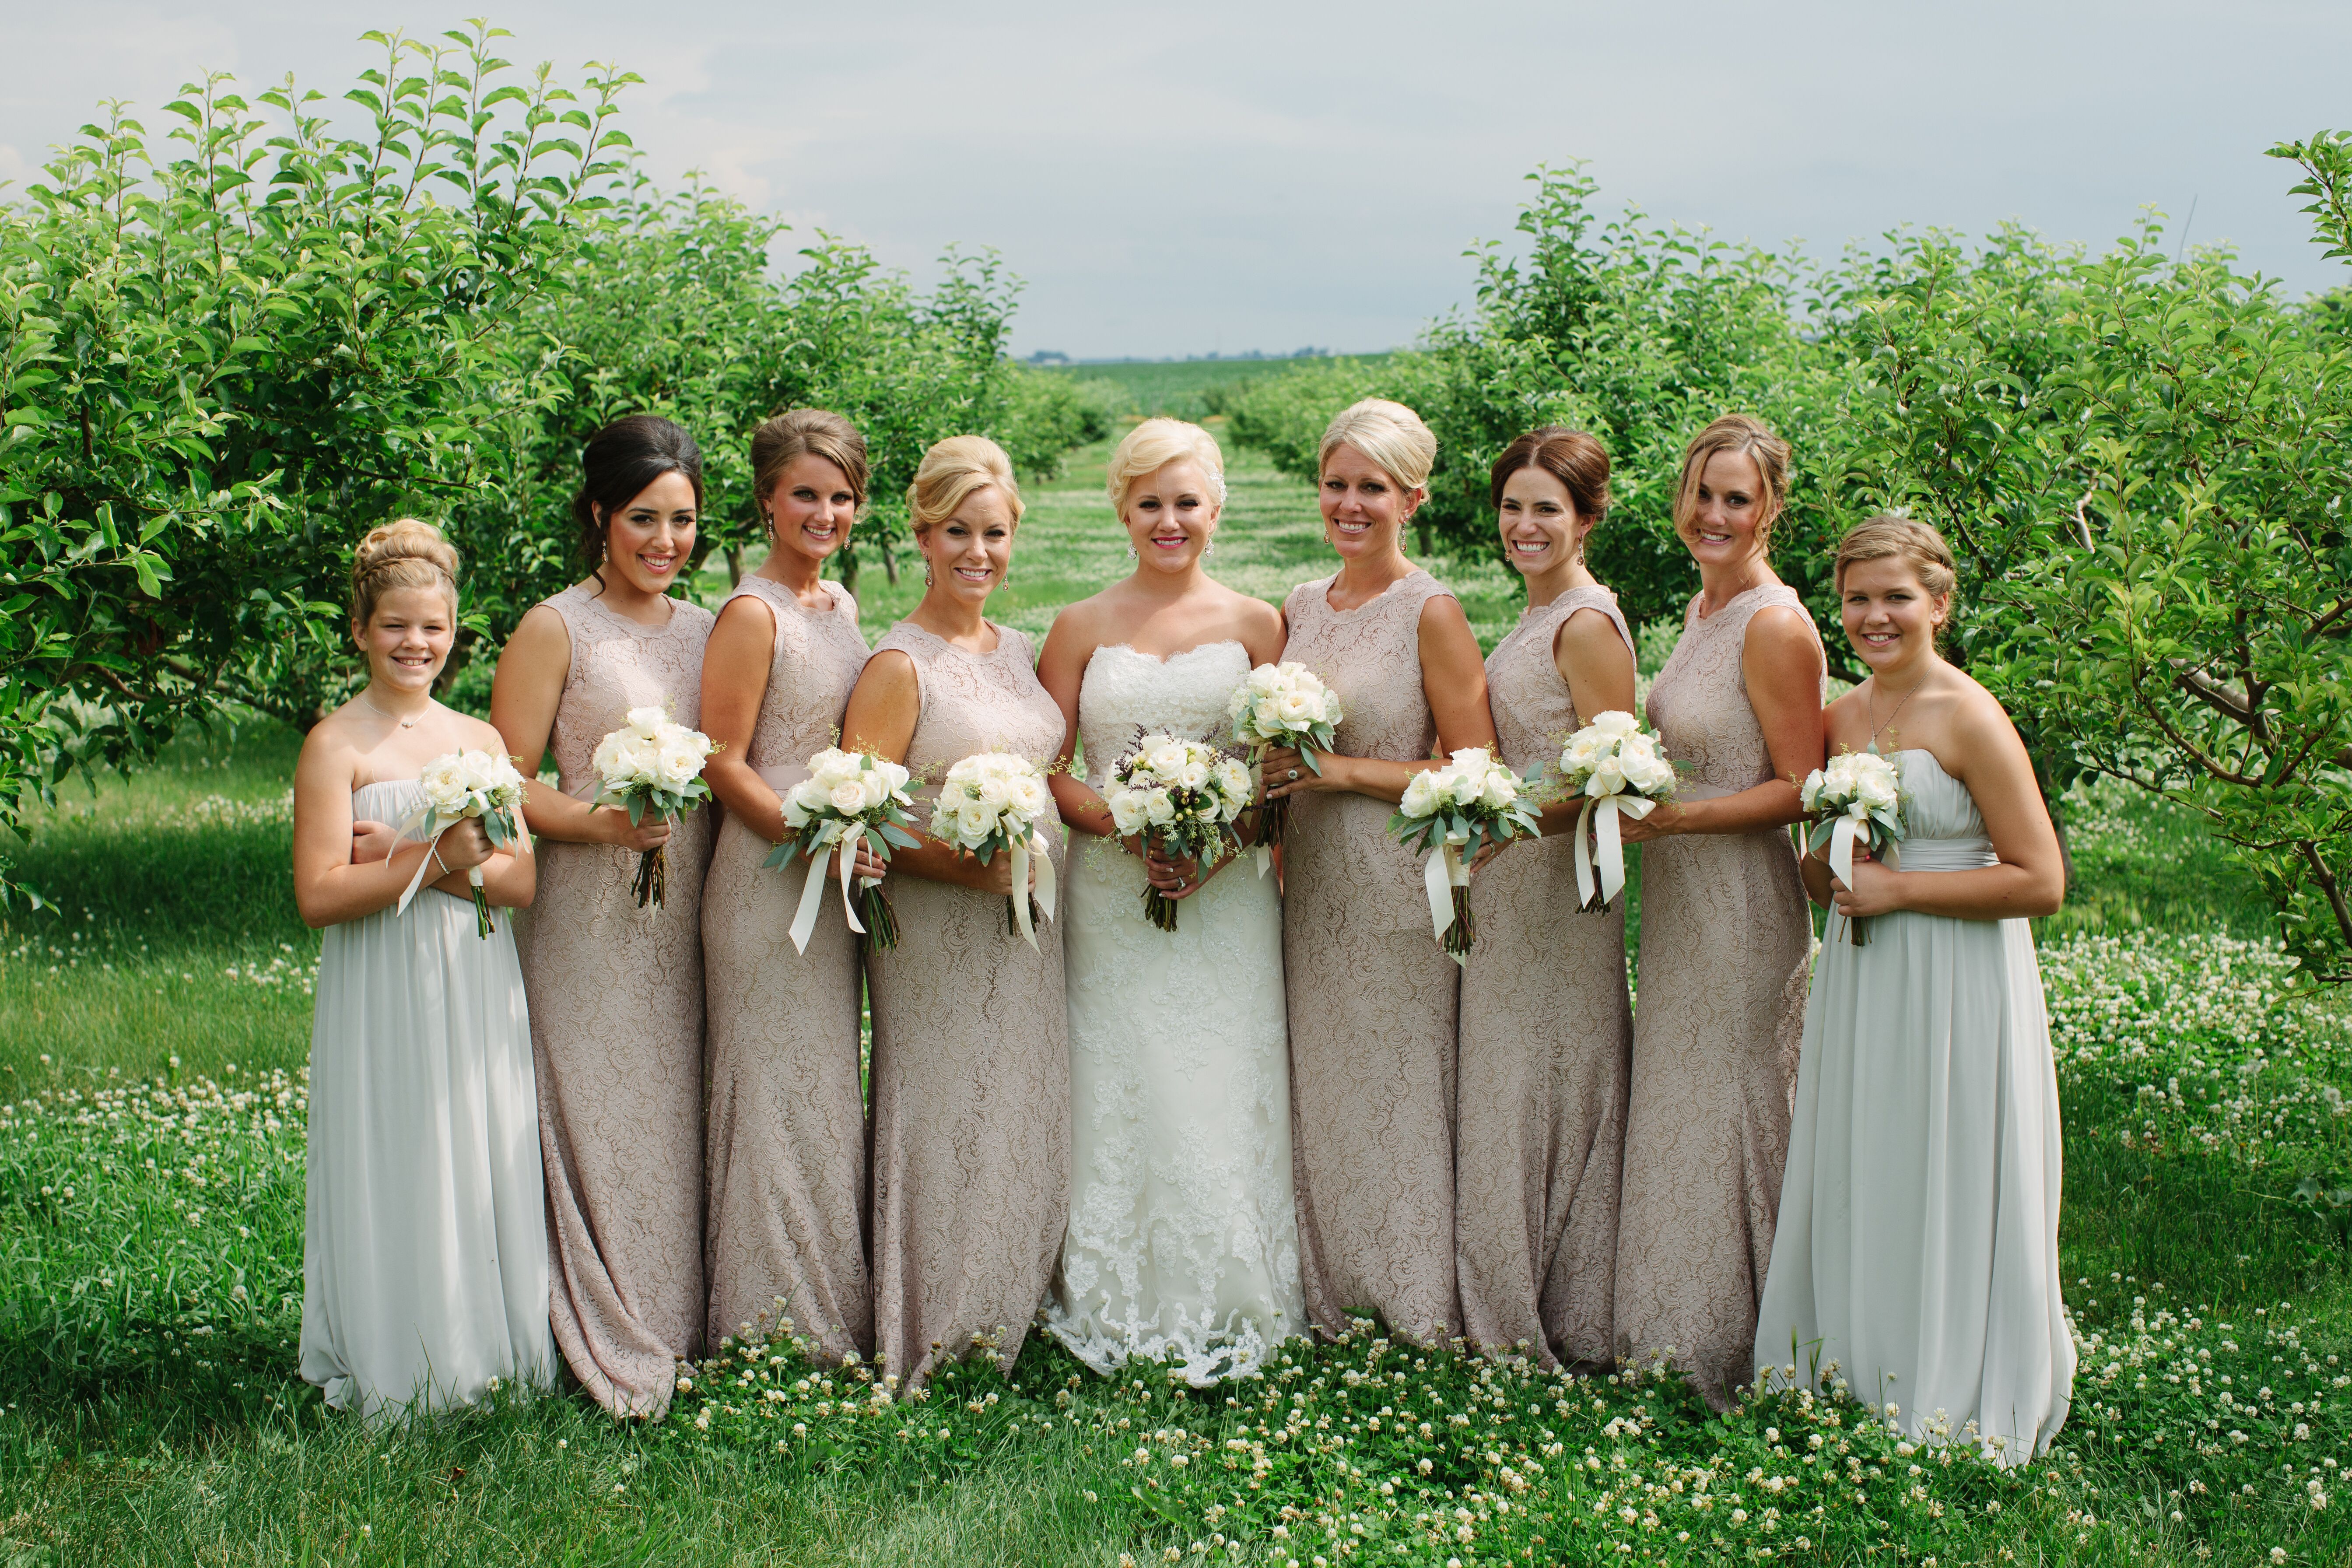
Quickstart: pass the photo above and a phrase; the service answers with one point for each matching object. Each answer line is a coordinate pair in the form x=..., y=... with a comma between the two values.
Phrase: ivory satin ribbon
x=1601, y=812
x=1841, y=845
x=1043, y=892
x=833, y=834
x=418, y=818
x=1442, y=873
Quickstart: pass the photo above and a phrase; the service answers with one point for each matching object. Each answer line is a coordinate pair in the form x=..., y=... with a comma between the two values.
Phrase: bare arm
x=1062, y=670
x=1598, y=666
x=1783, y=668
x=883, y=708
x=524, y=696
x=2031, y=878
x=328, y=890
x=1453, y=678
x=735, y=666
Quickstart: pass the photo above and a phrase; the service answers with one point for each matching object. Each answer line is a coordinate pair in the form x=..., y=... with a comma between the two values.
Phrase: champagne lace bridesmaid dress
x=972, y=1055
x=1546, y=1037
x=1727, y=938
x=1918, y=1247
x=786, y=1177
x=1183, y=1242
x=616, y=1028
x=1372, y=995
x=424, y=1230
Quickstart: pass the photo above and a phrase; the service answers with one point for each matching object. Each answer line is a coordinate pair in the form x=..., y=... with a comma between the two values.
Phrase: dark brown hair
x=616, y=466
x=1571, y=457
x=798, y=433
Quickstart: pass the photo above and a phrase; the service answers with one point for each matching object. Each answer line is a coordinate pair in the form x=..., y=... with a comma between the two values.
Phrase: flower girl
x=1917, y=1248
x=424, y=1250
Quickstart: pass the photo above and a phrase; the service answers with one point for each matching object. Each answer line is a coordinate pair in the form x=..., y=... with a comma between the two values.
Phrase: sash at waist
x=1970, y=854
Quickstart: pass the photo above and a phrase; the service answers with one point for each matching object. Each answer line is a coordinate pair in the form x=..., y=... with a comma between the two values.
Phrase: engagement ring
x=1294, y=772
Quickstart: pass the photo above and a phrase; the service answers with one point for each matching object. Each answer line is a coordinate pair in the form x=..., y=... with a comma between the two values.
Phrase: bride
x=1182, y=1242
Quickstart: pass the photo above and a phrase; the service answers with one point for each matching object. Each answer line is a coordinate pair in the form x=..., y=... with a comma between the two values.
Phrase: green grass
x=160, y=1012
x=1184, y=389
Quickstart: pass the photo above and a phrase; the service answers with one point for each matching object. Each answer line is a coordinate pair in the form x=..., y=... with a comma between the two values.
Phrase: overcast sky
x=1174, y=179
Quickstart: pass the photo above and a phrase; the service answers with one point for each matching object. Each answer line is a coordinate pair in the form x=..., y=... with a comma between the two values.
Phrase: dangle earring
x=1131, y=555
x=1209, y=549
x=927, y=570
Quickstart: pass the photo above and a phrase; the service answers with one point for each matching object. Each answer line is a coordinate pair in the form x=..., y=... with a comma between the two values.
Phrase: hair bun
x=404, y=540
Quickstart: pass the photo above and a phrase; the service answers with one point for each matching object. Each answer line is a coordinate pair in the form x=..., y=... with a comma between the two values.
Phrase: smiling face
x=1363, y=509
x=1889, y=615
x=1540, y=527
x=1171, y=515
x=648, y=540
x=407, y=640
x=812, y=507
x=1729, y=516
x=971, y=549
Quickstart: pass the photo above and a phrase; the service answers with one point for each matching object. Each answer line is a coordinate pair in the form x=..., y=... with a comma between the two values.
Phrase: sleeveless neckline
x=774, y=592
x=1719, y=609
x=1324, y=593
x=596, y=602
x=1004, y=635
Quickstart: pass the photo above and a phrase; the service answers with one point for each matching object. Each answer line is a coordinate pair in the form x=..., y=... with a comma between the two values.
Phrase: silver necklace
x=403, y=723
x=1898, y=709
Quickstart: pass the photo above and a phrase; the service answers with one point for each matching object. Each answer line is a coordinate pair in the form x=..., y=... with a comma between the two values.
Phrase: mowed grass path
x=152, y=1414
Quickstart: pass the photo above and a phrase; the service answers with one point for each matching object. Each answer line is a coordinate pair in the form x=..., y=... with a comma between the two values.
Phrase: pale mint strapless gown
x=424, y=1234
x=1183, y=1238
x=1918, y=1246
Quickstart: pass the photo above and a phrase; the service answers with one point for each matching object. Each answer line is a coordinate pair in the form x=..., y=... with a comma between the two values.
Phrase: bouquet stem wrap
x=1843, y=835
x=813, y=891
x=819, y=828
x=462, y=785
x=1041, y=895
x=1608, y=857
x=1856, y=799
x=1448, y=878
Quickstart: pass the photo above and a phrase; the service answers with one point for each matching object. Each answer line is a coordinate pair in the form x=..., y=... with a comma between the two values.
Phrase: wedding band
x=1294, y=772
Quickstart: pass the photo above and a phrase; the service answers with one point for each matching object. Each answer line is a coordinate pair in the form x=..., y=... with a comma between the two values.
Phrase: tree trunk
x=846, y=564
x=734, y=565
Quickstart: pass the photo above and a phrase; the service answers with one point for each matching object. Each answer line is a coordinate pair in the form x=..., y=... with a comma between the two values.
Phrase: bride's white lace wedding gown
x=1183, y=1242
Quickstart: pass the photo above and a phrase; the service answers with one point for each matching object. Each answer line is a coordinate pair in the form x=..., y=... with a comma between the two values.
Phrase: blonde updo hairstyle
x=1737, y=432
x=1918, y=544
x=1152, y=446
x=1389, y=433
x=403, y=554
x=950, y=471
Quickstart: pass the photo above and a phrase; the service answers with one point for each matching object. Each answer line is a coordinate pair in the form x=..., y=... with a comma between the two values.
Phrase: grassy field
x=152, y=1035
x=1187, y=389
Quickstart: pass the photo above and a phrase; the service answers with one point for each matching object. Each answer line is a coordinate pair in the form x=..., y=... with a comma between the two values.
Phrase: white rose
x=1127, y=813
x=1421, y=796
x=1296, y=707
x=1233, y=779
x=847, y=798
x=646, y=721
x=1608, y=778
x=1159, y=807
x=992, y=791
x=974, y=821
x=1500, y=789
x=1617, y=722
x=1029, y=796
x=1466, y=784
x=1193, y=775
x=1878, y=795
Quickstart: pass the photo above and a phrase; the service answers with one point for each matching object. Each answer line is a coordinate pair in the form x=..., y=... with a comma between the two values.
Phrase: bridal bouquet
x=1857, y=798
x=456, y=787
x=651, y=764
x=1281, y=705
x=993, y=801
x=1618, y=769
x=1186, y=795
x=1448, y=812
x=848, y=798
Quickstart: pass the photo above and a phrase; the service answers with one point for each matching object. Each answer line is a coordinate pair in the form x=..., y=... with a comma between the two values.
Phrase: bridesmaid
x=1371, y=994
x=616, y=991
x=1726, y=933
x=786, y=1182
x=1917, y=1249
x=972, y=1064
x=1546, y=1031
x=424, y=1235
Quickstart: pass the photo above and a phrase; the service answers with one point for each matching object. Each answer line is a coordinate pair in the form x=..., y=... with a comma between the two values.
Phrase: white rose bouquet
x=1283, y=705
x=1858, y=797
x=1184, y=794
x=456, y=787
x=993, y=801
x=1448, y=812
x=848, y=798
x=652, y=764
x=1617, y=768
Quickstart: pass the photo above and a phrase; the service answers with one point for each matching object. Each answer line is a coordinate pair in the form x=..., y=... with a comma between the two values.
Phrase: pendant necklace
x=403, y=723
x=1897, y=714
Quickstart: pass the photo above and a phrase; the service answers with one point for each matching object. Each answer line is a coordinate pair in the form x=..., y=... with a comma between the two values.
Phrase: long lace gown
x=1183, y=1244
x=1918, y=1238
x=786, y=1175
x=1547, y=1042
x=972, y=1054
x=424, y=1231
x=1727, y=938
x=616, y=1028
x=1371, y=994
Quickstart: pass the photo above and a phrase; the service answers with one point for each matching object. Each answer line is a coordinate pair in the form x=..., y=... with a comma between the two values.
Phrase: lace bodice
x=818, y=656
x=1371, y=657
x=618, y=665
x=1534, y=712
x=975, y=702
x=1126, y=694
x=1699, y=703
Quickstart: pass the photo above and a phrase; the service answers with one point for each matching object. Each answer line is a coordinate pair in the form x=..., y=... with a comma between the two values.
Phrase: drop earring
x=1131, y=555
x=927, y=570
x=1210, y=548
